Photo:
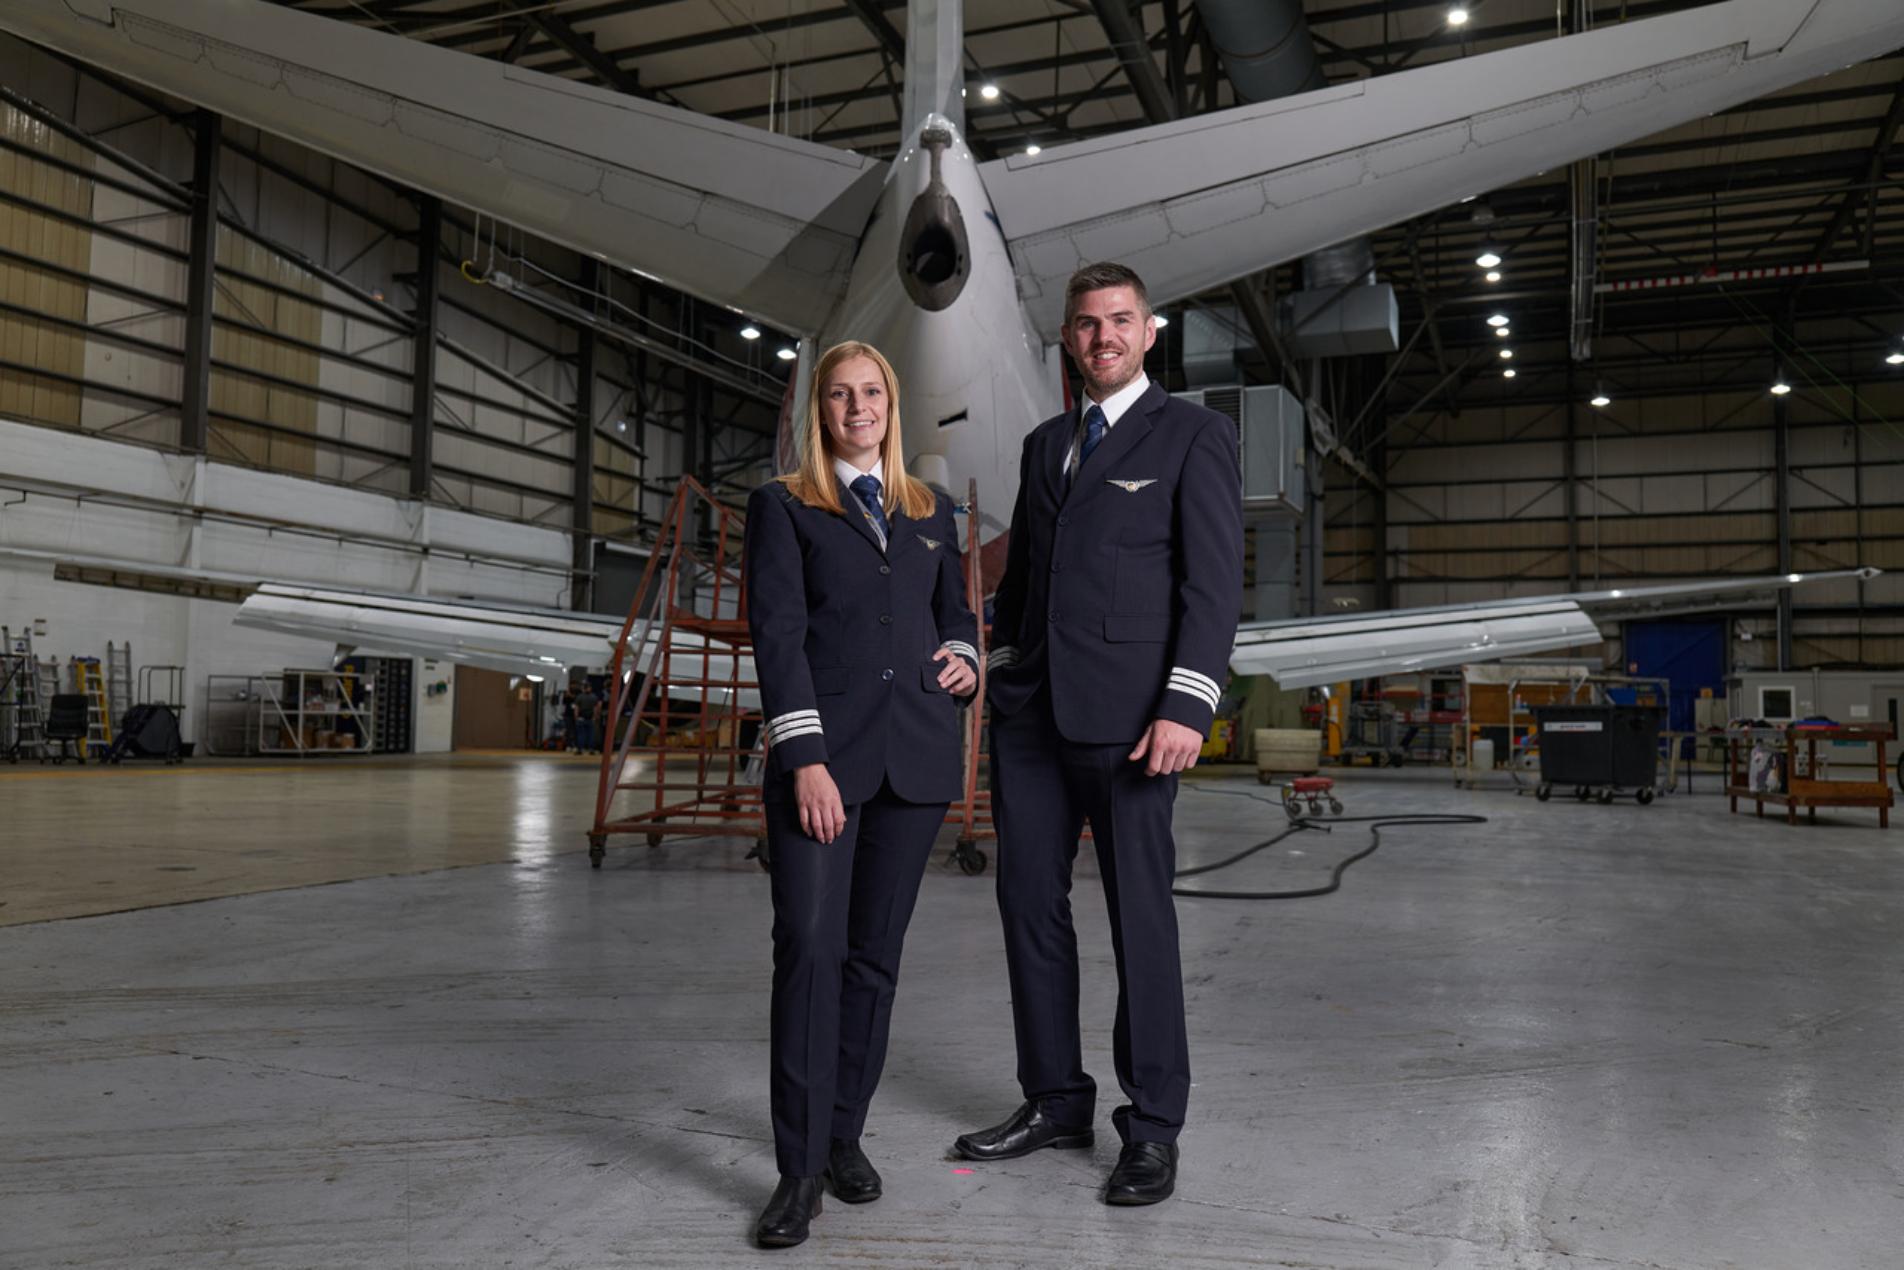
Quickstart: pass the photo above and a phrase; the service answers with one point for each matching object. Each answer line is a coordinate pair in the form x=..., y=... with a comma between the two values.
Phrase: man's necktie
x=1094, y=430
x=867, y=488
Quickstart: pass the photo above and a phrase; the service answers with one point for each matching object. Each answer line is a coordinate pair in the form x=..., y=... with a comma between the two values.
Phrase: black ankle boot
x=854, y=1178
x=783, y=1223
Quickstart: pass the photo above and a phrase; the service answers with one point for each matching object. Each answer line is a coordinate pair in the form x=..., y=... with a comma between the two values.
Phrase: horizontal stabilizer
x=762, y=223
x=1201, y=201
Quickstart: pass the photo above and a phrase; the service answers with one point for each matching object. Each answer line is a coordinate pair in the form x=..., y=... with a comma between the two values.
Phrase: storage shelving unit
x=306, y=712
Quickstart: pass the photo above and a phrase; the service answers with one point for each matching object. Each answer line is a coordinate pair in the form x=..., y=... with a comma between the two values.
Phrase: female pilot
x=863, y=644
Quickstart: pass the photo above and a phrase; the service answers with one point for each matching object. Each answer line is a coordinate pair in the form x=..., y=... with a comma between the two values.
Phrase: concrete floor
x=1574, y=1037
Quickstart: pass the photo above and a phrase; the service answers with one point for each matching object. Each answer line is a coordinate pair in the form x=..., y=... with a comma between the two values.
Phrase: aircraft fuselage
x=932, y=288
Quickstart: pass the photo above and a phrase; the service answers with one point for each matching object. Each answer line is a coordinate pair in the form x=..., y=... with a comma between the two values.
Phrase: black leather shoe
x=1146, y=1172
x=854, y=1178
x=783, y=1223
x=1025, y=1132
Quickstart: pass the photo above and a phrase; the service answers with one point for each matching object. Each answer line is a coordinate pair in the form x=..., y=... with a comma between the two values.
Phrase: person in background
x=587, y=712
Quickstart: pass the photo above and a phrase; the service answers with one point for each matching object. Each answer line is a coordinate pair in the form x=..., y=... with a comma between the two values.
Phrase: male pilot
x=1113, y=628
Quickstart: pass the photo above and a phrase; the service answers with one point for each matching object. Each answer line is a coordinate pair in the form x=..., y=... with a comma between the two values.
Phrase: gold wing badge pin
x=1131, y=487
x=932, y=544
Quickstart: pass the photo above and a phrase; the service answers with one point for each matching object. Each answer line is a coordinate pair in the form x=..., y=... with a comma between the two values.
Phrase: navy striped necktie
x=1095, y=426
x=867, y=488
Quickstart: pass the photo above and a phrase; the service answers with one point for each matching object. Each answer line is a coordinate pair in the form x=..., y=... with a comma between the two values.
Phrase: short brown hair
x=1101, y=277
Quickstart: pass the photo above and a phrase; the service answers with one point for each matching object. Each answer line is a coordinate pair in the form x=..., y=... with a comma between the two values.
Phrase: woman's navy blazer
x=844, y=634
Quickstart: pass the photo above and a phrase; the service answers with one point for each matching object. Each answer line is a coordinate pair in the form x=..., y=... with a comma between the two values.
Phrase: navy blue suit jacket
x=1124, y=587
x=844, y=635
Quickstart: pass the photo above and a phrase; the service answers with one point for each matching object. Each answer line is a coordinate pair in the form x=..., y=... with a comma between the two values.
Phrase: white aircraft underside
x=831, y=245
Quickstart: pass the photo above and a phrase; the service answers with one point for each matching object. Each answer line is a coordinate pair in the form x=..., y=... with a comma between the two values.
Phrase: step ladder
x=118, y=683
x=89, y=680
x=22, y=696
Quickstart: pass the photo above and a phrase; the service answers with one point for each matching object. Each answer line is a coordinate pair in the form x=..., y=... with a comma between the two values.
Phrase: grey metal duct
x=1268, y=53
x=1213, y=341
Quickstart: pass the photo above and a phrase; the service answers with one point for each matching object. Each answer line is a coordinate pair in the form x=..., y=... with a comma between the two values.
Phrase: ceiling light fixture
x=1033, y=148
x=989, y=92
x=750, y=332
x=1895, y=359
x=1780, y=388
x=1457, y=16
x=787, y=354
x=1162, y=321
x=1507, y=354
x=1494, y=275
x=1508, y=373
x=1600, y=401
x=1498, y=319
x=1488, y=259
x=1501, y=332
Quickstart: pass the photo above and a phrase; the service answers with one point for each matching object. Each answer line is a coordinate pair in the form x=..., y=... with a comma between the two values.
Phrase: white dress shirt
x=1113, y=407
x=848, y=474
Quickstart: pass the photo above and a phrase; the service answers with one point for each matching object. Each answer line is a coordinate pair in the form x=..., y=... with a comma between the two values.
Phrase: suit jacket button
x=885, y=619
x=1055, y=566
x=1064, y=520
x=885, y=568
x=1053, y=615
x=886, y=675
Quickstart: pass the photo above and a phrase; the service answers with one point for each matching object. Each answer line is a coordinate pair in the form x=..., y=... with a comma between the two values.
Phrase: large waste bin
x=1601, y=751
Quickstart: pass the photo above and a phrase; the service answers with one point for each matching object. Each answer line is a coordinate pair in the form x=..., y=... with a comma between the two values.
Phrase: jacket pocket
x=829, y=680
x=1136, y=628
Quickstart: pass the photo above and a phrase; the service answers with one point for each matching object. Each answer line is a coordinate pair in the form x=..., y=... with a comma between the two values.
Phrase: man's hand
x=956, y=676
x=822, y=815
x=1171, y=747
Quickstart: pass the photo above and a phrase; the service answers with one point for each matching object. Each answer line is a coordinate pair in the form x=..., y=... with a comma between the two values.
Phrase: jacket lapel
x=1125, y=436
x=1049, y=460
x=856, y=515
x=904, y=535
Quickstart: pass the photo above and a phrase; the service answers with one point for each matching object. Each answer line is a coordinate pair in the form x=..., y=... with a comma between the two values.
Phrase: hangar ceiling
x=1801, y=178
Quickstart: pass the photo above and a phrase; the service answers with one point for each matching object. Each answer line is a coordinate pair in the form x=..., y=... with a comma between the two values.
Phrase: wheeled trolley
x=1315, y=791
x=1601, y=752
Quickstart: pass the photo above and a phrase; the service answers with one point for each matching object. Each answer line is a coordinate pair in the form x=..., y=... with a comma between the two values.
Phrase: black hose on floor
x=1375, y=823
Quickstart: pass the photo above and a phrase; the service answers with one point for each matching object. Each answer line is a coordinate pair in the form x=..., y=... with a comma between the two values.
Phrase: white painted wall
x=67, y=493
x=434, y=711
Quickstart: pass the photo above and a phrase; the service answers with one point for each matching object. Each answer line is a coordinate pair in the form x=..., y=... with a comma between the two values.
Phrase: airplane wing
x=762, y=223
x=1304, y=652
x=500, y=637
x=1201, y=201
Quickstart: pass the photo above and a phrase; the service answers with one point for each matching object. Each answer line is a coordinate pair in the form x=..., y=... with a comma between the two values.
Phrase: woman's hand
x=822, y=815
x=956, y=676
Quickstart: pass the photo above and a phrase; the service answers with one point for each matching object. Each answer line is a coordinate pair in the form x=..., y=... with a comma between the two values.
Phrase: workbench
x=1807, y=791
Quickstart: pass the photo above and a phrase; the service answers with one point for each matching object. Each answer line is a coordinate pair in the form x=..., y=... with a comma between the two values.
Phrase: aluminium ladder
x=23, y=695
x=89, y=679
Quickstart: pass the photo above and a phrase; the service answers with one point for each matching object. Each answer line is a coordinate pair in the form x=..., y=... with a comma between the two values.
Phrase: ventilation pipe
x=1342, y=310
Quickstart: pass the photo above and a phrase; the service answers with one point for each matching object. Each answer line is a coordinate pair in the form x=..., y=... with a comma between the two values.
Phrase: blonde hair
x=813, y=481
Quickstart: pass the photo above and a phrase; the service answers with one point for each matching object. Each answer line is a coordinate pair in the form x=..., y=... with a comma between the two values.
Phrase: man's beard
x=1105, y=389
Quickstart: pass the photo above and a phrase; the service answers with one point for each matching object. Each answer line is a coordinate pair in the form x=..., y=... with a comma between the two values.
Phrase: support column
x=1384, y=583
x=1782, y=462
x=1569, y=479
x=208, y=134
x=1782, y=480
x=423, y=354
x=582, y=465
x=1315, y=518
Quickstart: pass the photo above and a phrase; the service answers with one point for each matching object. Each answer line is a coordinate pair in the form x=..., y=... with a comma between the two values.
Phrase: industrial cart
x=1601, y=751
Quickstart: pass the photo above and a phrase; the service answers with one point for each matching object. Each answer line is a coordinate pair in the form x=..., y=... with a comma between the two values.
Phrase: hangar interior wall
x=307, y=463
x=1672, y=486
x=144, y=506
